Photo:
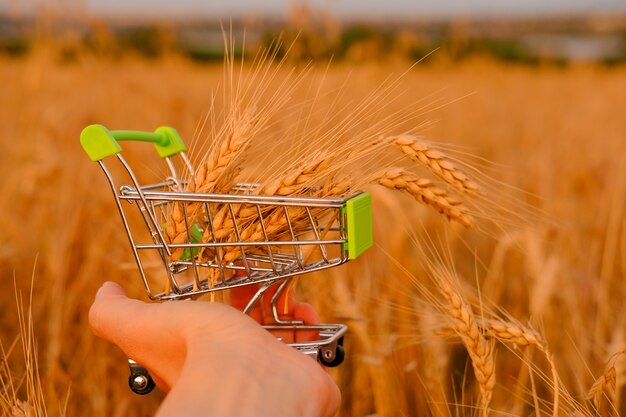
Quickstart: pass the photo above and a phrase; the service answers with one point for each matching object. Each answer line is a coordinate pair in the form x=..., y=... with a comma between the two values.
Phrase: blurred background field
x=528, y=38
x=542, y=98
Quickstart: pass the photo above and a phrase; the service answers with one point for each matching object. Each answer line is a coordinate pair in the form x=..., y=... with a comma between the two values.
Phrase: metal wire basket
x=223, y=241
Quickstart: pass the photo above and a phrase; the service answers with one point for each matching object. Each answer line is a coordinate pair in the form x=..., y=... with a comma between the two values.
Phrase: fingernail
x=98, y=293
x=101, y=289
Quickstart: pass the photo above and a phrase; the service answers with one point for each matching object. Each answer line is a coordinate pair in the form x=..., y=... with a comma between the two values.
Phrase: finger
x=288, y=309
x=307, y=313
x=240, y=297
x=145, y=332
x=300, y=312
x=262, y=311
x=284, y=305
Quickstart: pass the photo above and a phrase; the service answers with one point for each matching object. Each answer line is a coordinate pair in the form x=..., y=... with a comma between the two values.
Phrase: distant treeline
x=523, y=42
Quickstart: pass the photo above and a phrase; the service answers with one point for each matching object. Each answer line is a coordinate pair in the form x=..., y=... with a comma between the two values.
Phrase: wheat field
x=520, y=316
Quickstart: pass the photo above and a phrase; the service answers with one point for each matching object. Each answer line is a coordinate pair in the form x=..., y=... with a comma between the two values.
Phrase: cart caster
x=331, y=359
x=140, y=381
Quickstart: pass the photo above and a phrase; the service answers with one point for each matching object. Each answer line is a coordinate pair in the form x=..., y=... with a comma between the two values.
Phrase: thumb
x=121, y=320
x=147, y=333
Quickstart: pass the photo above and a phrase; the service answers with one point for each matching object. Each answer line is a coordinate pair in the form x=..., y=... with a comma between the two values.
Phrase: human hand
x=213, y=359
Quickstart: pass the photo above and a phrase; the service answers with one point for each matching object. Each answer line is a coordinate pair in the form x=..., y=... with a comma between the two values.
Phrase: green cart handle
x=99, y=142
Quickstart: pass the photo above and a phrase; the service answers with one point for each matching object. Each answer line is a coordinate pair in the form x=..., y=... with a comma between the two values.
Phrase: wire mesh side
x=219, y=245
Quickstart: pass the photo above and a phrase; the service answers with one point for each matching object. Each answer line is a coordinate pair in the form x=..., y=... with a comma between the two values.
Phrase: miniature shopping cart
x=316, y=233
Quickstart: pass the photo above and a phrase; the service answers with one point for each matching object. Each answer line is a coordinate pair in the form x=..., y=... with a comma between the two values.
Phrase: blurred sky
x=354, y=8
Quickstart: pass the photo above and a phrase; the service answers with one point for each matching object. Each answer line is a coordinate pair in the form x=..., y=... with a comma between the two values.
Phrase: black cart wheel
x=337, y=359
x=140, y=381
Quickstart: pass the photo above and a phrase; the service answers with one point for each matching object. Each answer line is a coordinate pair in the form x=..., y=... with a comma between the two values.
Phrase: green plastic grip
x=99, y=142
x=359, y=218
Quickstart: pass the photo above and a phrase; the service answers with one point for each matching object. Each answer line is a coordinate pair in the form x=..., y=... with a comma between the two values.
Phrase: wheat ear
x=424, y=191
x=509, y=332
x=607, y=382
x=213, y=175
x=512, y=332
x=481, y=352
x=520, y=335
x=300, y=177
x=436, y=161
x=176, y=225
x=221, y=164
x=336, y=188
